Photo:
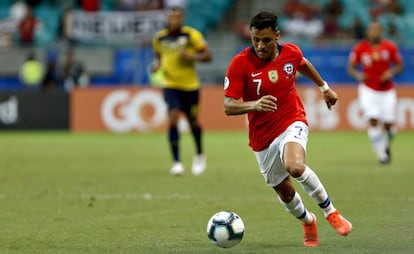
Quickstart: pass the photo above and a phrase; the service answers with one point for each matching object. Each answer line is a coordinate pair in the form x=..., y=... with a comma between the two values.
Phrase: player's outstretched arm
x=234, y=106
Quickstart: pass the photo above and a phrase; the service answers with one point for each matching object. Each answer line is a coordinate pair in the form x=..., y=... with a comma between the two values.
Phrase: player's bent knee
x=295, y=169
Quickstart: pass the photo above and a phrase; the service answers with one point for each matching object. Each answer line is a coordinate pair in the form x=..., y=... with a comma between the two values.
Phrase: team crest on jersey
x=273, y=76
x=385, y=54
x=288, y=69
x=182, y=41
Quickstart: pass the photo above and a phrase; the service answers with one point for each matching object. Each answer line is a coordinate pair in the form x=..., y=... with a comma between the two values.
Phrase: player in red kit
x=260, y=81
x=380, y=61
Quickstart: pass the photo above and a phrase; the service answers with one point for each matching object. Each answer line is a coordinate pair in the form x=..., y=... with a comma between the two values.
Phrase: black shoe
x=385, y=161
x=388, y=152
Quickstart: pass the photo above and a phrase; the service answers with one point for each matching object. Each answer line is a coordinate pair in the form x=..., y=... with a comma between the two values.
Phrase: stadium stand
x=205, y=15
x=126, y=64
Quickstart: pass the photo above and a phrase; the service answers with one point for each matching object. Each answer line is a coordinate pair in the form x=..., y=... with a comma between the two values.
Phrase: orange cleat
x=310, y=233
x=339, y=223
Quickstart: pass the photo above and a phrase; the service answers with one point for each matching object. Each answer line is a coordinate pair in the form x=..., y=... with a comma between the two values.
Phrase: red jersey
x=248, y=77
x=375, y=60
x=90, y=5
x=27, y=29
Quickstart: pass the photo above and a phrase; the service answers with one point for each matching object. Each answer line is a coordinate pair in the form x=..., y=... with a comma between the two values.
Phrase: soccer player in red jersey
x=260, y=81
x=380, y=60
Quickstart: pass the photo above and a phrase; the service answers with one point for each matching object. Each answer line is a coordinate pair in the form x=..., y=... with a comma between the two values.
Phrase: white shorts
x=271, y=159
x=379, y=105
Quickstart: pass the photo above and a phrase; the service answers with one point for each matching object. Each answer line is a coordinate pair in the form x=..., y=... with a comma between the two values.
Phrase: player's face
x=374, y=32
x=175, y=20
x=264, y=42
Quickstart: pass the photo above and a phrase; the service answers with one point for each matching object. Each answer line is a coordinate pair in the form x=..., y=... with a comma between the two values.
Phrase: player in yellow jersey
x=177, y=48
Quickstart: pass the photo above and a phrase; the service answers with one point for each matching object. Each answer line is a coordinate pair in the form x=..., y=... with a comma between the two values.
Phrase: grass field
x=104, y=193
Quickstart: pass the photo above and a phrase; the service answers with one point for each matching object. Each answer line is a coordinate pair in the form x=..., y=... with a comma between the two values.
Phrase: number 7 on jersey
x=259, y=84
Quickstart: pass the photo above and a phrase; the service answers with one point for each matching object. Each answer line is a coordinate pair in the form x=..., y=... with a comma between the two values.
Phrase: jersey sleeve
x=234, y=79
x=197, y=40
x=156, y=43
x=298, y=53
x=395, y=54
x=353, y=55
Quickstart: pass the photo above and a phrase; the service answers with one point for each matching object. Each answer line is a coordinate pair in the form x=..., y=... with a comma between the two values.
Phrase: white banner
x=8, y=25
x=123, y=27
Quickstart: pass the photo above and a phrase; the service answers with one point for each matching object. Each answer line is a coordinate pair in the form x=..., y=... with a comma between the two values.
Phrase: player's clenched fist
x=267, y=103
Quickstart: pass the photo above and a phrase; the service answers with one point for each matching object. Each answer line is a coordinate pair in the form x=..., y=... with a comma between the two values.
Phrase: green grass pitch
x=62, y=192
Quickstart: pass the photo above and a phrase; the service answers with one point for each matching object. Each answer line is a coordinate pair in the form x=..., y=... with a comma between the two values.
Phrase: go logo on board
x=125, y=111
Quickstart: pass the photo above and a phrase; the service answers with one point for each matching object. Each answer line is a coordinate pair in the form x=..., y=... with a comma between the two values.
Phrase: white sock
x=313, y=186
x=297, y=209
x=378, y=140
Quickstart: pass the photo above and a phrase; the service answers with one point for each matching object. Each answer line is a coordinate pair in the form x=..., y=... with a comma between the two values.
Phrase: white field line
x=179, y=196
x=135, y=196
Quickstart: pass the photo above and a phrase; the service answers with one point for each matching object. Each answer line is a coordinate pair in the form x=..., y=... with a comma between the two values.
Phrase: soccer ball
x=225, y=229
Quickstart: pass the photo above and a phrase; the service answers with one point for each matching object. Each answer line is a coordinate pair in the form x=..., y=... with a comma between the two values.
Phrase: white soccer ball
x=225, y=229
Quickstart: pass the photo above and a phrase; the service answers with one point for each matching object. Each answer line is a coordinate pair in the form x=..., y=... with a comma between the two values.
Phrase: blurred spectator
x=27, y=27
x=18, y=10
x=31, y=72
x=63, y=36
x=331, y=27
x=303, y=21
x=89, y=5
x=381, y=7
x=74, y=73
x=357, y=29
x=145, y=5
x=333, y=8
x=292, y=7
x=392, y=31
x=50, y=81
x=331, y=11
x=395, y=7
